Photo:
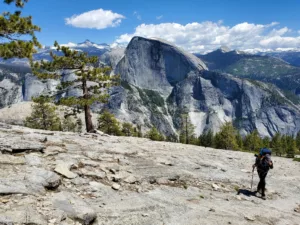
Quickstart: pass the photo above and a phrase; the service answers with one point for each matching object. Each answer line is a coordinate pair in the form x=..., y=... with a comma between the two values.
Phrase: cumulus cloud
x=208, y=36
x=95, y=19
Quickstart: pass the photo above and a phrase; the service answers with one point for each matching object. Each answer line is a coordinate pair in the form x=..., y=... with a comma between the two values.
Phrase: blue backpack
x=265, y=151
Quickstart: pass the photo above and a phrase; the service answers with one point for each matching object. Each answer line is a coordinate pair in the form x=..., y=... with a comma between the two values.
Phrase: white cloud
x=207, y=36
x=138, y=16
x=279, y=32
x=159, y=17
x=95, y=19
x=70, y=45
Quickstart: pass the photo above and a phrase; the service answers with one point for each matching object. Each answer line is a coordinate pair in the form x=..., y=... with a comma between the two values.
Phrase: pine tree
x=194, y=140
x=78, y=125
x=206, y=139
x=92, y=81
x=161, y=137
x=298, y=140
x=252, y=141
x=284, y=144
x=266, y=142
x=182, y=137
x=139, y=131
x=291, y=147
x=69, y=124
x=226, y=138
x=154, y=135
x=127, y=129
x=276, y=144
x=13, y=27
x=239, y=141
x=108, y=124
x=172, y=138
x=187, y=129
x=43, y=115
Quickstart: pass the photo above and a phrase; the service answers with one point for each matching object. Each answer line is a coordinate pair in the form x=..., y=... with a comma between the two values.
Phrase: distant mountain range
x=87, y=46
x=263, y=67
x=292, y=56
x=161, y=81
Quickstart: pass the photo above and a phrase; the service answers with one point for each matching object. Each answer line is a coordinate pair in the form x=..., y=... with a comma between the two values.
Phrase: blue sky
x=214, y=22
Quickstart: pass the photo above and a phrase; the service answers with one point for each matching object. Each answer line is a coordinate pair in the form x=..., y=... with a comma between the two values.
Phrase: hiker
x=263, y=163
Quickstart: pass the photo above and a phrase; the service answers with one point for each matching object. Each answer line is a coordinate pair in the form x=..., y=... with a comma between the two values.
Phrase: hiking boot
x=263, y=197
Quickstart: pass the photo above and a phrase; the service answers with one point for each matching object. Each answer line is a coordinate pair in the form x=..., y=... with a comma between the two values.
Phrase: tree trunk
x=186, y=131
x=87, y=109
x=44, y=117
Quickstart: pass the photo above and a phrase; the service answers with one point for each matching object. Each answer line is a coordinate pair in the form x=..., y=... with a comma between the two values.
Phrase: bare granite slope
x=66, y=178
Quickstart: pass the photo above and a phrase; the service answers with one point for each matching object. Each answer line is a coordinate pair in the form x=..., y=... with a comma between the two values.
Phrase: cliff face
x=214, y=98
x=160, y=82
x=10, y=88
x=157, y=65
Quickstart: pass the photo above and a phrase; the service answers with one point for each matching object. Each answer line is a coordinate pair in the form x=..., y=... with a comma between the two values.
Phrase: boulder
x=13, y=186
x=74, y=207
x=17, y=145
x=47, y=179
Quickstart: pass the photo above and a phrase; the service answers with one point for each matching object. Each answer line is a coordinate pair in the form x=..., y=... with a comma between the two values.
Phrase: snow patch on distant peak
x=225, y=49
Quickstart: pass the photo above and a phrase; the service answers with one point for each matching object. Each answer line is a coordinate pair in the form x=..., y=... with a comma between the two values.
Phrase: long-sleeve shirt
x=263, y=163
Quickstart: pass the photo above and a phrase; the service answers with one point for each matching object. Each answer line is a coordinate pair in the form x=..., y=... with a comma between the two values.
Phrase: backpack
x=264, y=151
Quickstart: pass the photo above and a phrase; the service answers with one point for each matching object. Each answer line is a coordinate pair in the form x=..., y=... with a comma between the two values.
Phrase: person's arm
x=269, y=161
x=255, y=164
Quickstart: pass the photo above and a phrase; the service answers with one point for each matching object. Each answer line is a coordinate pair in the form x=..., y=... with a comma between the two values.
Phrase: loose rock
x=63, y=169
x=116, y=186
x=215, y=187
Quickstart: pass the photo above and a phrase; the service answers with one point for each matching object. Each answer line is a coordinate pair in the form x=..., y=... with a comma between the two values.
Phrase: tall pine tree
x=187, y=129
x=266, y=142
x=253, y=141
x=206, y=139
x=291, y=147
x=226, y=138
x=92, y=81
x=239, y=141
x=14, y=27
x=284, y=144
x=298, y=141
x=276, y=144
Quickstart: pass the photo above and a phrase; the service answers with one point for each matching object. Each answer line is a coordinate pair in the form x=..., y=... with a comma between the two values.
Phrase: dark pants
x=262, y=181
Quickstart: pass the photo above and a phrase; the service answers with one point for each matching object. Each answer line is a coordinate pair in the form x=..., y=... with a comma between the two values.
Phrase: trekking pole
x=252, y=178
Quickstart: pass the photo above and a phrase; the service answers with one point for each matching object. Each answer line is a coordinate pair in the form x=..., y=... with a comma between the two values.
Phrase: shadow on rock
x=246, y=192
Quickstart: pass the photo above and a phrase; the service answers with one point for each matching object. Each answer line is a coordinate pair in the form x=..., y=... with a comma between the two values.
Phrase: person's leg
x=263, y=183
x=259, y=186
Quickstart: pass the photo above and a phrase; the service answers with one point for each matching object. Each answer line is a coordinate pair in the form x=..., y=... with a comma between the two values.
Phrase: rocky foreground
x=66, y=178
